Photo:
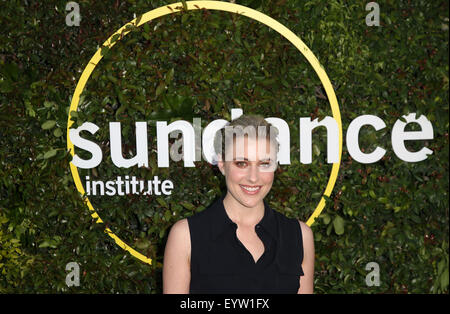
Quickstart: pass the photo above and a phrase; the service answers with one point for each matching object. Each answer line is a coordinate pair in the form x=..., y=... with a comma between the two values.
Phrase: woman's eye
x=266, y=165
x=241, y=164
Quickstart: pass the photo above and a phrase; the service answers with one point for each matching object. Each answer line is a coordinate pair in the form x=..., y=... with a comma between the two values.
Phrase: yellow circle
x=211, y=5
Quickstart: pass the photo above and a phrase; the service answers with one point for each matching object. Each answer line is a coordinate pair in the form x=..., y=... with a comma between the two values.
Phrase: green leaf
x=326, y=218
x=50, y=153
x=112, y=78
x=160, y=88
x=162, y=202
x=47, y=125
x=49, y=104
x=441, y=266
x=184, y=18
x=121, y=110
x=185, y=7
x=146, y=28
x=316, y=150
x=169, y=75
x=143, y=244
x=44, y=244
x=187, y=205
x=57, y=132
x=338, y=224
x=444, y=280
x=167, y=215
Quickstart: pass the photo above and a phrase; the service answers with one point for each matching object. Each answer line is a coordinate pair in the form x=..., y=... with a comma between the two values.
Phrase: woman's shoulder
x=178, y=240
x=307, y=233
x=180, y=229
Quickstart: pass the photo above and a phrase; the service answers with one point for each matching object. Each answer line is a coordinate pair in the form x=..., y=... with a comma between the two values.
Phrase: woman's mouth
x=251, y=190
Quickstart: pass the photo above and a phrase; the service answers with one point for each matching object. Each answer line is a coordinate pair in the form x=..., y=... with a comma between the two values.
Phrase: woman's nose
x=253, y=174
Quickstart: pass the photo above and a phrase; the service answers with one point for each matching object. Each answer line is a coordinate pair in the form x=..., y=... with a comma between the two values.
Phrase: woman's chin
x=250, y=200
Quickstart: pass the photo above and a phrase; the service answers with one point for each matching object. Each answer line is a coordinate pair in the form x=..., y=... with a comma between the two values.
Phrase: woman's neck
x=241, y=214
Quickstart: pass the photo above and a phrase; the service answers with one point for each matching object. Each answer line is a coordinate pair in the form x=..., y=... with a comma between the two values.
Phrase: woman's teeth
x=250, y=189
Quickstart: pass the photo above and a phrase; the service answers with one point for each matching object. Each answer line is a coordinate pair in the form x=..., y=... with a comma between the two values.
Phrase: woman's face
x=249, y=171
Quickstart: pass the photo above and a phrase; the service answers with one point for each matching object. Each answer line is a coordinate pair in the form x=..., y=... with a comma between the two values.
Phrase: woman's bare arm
x=177, y=255
x=307, y=281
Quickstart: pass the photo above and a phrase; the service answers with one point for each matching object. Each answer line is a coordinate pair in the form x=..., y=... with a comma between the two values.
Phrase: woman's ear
x=221, y=166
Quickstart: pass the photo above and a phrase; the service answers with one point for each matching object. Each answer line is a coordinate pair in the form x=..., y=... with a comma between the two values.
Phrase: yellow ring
x=211, y=5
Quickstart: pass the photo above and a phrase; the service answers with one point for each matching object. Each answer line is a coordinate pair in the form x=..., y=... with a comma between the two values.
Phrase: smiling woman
x=239, y=244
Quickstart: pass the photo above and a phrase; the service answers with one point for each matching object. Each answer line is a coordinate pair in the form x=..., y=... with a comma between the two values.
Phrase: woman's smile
x=250, y=190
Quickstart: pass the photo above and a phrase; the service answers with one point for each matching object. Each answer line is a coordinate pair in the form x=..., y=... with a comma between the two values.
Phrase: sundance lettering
x=191, y=137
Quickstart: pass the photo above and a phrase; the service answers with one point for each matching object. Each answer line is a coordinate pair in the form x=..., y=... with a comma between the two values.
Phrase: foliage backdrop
x=203, y=64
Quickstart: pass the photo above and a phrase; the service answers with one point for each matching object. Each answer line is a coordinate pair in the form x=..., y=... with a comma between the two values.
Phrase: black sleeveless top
x=220, y=263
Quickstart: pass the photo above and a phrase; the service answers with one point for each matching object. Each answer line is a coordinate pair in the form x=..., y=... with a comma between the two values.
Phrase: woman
x=239, y=244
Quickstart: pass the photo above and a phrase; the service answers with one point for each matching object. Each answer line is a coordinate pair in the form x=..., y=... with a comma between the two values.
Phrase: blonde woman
x=239, y=244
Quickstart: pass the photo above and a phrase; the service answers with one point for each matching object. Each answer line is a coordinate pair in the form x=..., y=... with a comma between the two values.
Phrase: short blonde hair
x=244, y=122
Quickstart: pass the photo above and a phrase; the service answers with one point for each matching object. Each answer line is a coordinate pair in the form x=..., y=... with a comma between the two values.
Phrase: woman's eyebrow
x=245, y=159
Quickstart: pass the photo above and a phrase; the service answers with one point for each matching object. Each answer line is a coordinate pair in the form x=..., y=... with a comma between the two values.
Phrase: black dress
x=220, y=263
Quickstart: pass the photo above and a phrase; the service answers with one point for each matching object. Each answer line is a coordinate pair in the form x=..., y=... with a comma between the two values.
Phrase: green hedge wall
x=203, y=64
